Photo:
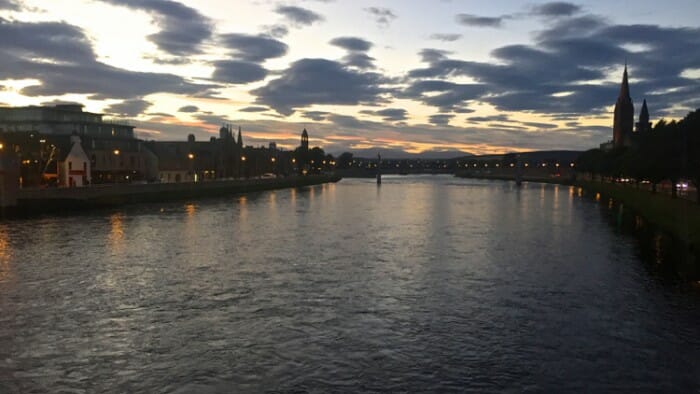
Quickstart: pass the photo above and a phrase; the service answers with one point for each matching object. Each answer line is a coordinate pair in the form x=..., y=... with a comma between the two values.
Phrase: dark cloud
x=12, y=5
x=557, y=73
x=319, y=81
x=479, y=21
x=276, y=31
x=352, y=43
x=346, y=121
x=299, y=16
x=237, y=72
x=491, y=118
x=254, y=109
x=382, y=16
x=448, y=96
x=130, y=108
x=317, y=116
x=188, y=109
x=389, y=114
x=440, y=119
x=62, y=58
x=539, y=125
x=359, y=60
x=556, y=8
x=49, y=40
x=445, y=37
x=430, y=55
x=182, y=29
x=254, y=48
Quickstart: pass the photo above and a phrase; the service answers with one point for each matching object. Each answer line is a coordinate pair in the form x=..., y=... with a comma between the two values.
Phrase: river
x=425, y=283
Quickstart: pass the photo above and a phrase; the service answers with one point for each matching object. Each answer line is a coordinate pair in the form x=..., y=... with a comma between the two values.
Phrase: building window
x=70, y=165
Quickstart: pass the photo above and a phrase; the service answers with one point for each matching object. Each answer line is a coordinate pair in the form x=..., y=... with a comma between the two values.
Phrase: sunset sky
x=412, y=76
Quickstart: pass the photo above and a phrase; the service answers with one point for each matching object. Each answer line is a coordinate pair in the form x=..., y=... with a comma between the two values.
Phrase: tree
x=344, y=160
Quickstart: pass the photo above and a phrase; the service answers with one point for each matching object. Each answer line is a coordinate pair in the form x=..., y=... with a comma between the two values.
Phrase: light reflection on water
x=422, y=284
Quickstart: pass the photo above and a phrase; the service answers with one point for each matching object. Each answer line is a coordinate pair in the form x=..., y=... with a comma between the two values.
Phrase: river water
x=427, y=283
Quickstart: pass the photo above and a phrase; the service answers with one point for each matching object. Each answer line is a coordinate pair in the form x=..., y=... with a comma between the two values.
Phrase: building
x=623, y=120
x=73, y=165
x=644, y=124
x=625, y=131
x=41, y=137
x=61, y=119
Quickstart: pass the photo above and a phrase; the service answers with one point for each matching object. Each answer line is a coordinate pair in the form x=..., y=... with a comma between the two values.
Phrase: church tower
x=240, y=138
x=304, y=140
x=643, y=125
x=624, y=115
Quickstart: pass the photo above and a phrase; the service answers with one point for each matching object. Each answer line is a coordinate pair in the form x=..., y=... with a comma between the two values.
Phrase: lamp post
x=114, y=172
x=192, y=172
x=242, y=168
x=274, y=167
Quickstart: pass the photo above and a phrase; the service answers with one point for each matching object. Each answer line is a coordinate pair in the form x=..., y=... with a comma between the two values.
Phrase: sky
x=416, y=77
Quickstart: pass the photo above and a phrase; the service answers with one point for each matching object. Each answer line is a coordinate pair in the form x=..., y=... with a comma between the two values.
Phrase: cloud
x=491, y=118
x=254, y=109
x=130, y=108
x=276, y=31
x=61, y=57
x=445, y=37
x=317, y=116
x=448, y=96
x=183, y=29
x=237, y=72
x=11, y=5
x=389, y=114
x=556, y=9
x=430, y=55
x=359, y=60
x=479, y=21
x=319, y=81
x=299, y=16
x=188, y=109
x=440, y=119
x=352, y=44
x=382, y=16
x=356, y=48
x=254, y=48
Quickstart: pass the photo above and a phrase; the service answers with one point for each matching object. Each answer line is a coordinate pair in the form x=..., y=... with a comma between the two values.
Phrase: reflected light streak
x=5, y=254
x=116, y=235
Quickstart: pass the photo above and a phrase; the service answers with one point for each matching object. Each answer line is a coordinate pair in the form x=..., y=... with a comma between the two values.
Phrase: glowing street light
x=1, y=145
x=190, y=156
x=242, y=158
x=116, y=152
x=273, y=160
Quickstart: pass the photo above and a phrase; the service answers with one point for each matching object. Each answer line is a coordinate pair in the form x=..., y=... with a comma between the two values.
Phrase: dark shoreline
x=31, y=202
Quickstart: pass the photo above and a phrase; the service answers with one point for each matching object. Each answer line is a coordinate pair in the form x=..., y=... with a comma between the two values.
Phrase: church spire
x=240, y=137
x=623, y=121
x=625, y=86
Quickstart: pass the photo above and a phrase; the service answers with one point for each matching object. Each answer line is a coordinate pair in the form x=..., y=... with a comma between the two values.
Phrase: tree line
x=670, y=151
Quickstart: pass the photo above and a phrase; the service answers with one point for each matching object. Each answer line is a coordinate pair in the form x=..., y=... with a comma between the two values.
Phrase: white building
x=74, y=167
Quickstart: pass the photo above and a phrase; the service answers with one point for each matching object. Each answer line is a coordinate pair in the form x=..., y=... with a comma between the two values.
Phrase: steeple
x=623, y=121
x=625, y=86
x=643, y=124
x=304, y=140
x=240, y=137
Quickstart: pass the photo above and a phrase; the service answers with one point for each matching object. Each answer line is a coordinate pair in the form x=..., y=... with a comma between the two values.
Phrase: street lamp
x=194, y=174
x=242, y=166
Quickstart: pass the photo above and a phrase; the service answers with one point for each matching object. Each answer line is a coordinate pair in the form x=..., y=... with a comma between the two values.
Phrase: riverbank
x=35, y=201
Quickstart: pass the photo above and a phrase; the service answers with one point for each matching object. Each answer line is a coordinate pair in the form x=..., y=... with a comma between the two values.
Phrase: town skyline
x=435, y=76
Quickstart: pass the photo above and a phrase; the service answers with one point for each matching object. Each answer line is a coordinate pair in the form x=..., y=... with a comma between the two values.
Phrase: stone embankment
x=32, y=201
